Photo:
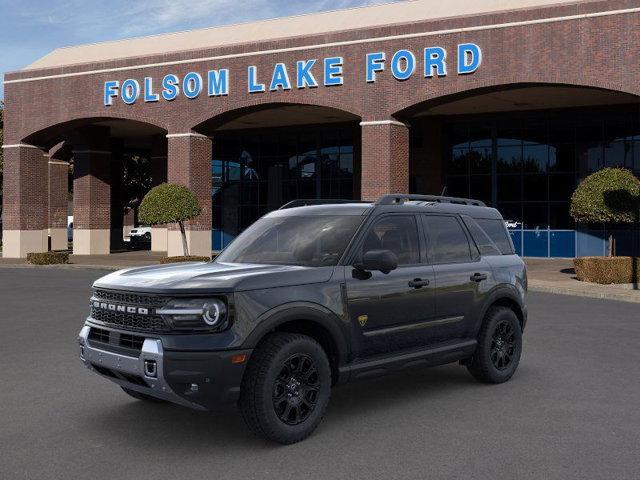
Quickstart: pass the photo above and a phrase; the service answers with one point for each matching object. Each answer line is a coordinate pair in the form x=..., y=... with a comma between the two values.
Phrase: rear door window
x=448, y=242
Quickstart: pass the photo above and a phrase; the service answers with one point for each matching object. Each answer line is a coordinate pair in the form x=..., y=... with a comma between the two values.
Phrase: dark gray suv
x=311, y=296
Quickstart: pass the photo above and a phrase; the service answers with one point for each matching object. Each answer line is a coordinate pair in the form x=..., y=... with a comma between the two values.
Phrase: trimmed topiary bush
x=607, y=270
x=48, y=258
x=190, y=258
x=611, y=195
x=170, y=203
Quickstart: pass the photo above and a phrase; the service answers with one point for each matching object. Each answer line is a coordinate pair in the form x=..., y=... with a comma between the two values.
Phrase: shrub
x=607, y=270
x=48, y=258
x=170, y=203
x=190, y=258
x=611, y=195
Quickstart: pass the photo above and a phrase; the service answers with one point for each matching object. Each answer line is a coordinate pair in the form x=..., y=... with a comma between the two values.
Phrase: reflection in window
x=538, y=159
x=256, y=171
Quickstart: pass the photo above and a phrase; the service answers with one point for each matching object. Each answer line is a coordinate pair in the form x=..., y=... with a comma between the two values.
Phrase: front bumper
x=198, y=380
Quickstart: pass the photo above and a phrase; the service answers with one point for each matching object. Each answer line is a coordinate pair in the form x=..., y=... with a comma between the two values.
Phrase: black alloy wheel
x=499, y=347
x=296, y=388
x=286, y=387
x=503, y=345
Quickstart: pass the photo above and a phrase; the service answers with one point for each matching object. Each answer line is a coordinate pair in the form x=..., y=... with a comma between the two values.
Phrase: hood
x=195, y=278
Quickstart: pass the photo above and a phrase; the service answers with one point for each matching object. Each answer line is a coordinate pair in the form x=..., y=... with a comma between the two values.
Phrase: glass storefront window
x=538, y=158
x=256, y=171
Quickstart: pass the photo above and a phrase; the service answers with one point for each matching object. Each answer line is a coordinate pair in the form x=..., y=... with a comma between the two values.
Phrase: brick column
x=385, y=158
x=25, y=212
x=58, y=191
x=158, y=175
x=189, y=164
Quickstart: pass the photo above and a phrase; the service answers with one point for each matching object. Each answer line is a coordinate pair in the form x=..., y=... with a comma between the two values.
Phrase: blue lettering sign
x=149, y=96
x=402, y=65
x=110, y=92
x=218, y=81
x=254, y=87
x=170, y=87
x=280, y=78
x=375, y=63
x=469, y=58
x=192, y=85
x=304, y=77
x=434, y=59
x=130, y=91
x=333, y=71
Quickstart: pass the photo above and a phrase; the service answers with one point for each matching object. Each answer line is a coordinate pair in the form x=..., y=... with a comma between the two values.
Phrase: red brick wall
x=189, y=164
x=385, y=160
x=58, y=191
x=25, y=177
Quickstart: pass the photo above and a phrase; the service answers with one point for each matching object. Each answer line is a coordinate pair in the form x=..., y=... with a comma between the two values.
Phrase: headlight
x=196, y=313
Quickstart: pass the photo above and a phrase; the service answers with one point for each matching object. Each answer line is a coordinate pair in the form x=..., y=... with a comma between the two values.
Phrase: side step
x=380, y=365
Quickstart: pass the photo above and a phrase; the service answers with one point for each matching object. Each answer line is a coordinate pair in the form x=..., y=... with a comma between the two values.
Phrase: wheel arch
x=313, y=320
x=506, y=297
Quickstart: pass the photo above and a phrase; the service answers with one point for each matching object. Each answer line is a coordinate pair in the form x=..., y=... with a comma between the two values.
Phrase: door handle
x=418, y=283
x=478, y=277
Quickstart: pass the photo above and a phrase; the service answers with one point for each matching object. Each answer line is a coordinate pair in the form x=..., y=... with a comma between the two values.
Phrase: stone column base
x=17, y=243
x=159, y=239
x=91, y=242
x=58, y=238
x=199, y=242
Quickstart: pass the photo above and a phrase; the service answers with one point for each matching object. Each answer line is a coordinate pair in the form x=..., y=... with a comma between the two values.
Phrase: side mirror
x=382, y=260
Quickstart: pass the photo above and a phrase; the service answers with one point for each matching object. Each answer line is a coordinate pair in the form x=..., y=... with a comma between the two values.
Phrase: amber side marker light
x=239, y=358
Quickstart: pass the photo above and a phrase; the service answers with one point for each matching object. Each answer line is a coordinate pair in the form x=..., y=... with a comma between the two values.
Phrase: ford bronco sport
x=309, y=297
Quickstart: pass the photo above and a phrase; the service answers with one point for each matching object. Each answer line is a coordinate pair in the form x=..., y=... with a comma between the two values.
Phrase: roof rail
x=397, y=198
x=302, y=202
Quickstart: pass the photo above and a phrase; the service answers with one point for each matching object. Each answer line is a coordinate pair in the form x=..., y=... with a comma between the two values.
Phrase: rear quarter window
x=497, y=232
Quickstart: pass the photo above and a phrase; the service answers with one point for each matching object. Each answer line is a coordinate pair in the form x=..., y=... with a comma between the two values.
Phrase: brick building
x=511, y=102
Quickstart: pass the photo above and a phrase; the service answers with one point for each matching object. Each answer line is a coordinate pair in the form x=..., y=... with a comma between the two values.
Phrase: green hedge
x=48, y=258
x=190, y=258
x=611, y=195
x=607, y=270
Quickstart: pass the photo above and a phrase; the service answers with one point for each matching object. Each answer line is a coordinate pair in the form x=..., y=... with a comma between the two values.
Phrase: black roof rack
x=398, y=198
x=304, y=202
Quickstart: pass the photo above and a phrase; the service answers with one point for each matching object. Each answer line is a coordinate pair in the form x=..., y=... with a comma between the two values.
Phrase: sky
x=29, y=29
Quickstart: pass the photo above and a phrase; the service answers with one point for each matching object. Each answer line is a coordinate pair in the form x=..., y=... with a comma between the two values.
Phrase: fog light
x=150, y=369
x=82, y=352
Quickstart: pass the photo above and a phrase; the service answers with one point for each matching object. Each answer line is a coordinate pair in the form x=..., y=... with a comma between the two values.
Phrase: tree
x=170, y=203
x=611, y=195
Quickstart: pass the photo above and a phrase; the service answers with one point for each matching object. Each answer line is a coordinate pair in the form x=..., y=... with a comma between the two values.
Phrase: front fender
x=312, y=312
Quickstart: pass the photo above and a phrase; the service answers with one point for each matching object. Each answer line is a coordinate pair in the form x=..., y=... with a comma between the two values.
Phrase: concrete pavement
x=570, y=412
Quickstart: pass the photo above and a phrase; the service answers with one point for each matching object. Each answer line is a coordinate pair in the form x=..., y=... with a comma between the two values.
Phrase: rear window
x=497, y=232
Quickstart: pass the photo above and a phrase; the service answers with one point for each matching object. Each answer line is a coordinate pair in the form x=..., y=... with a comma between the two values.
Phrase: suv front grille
x=128, y=320
x=134, y=299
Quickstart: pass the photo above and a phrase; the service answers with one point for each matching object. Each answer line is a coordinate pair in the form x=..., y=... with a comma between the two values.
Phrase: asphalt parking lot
x=571, y=411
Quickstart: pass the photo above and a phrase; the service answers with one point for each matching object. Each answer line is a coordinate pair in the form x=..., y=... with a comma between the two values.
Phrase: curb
x=620, y=297
x=64, y=266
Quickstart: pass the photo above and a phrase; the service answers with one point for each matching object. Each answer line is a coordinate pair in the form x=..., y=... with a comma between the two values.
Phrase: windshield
x=313, y=241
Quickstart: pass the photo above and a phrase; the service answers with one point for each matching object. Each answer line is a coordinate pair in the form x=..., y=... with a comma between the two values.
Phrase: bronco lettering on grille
x=120, y=308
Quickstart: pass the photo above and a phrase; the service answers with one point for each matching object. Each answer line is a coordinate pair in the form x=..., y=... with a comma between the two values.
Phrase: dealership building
x=511, y=102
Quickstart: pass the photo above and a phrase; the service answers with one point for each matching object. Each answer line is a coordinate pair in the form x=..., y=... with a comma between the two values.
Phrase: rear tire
x=499, y=347
x=141, y=396
x=286, y=388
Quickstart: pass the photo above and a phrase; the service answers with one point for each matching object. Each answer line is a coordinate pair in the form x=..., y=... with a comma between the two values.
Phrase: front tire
x=286, y=388
x=499, y=347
